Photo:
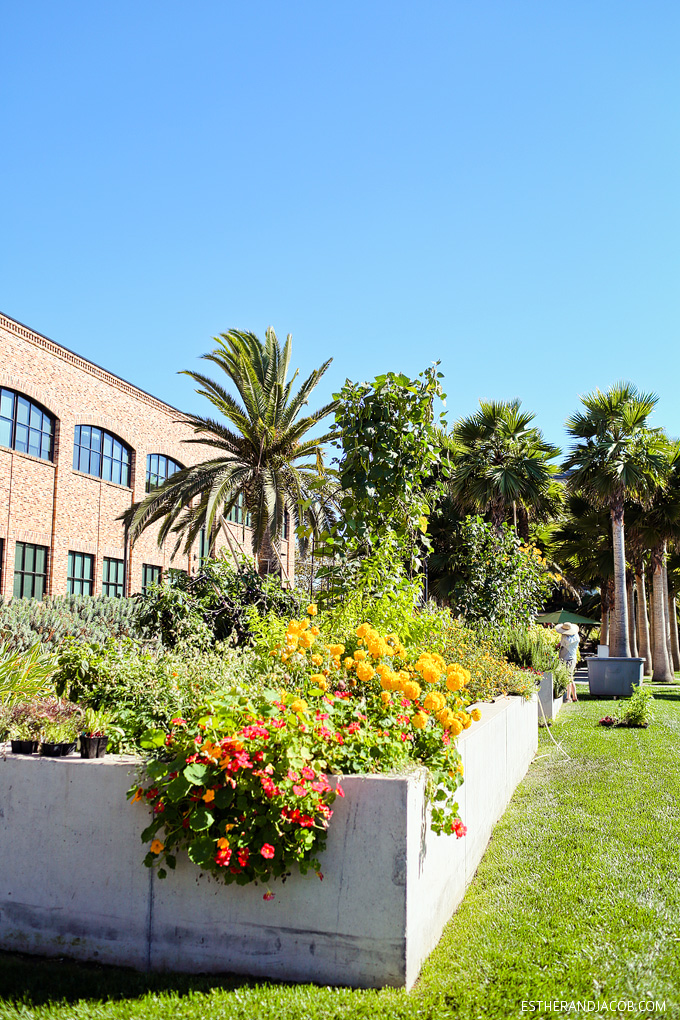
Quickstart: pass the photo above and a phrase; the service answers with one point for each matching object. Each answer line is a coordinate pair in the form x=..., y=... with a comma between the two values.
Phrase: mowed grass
x=577, y=898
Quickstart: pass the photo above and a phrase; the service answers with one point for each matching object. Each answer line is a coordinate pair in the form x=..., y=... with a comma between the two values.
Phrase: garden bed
x=73, y=884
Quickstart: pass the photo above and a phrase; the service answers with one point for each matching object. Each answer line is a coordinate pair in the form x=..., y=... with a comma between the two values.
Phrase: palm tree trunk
x=667, y=611
x=675, y=646
x=619, y=644
x=642, y=621
x=630, y=591
x=266, y=557
x=604, y=615
x=522, y=522
x=662, y=668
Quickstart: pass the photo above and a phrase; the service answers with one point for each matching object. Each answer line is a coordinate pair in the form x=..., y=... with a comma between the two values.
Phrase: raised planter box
x=614, y=676
x=72, y=881
x=551, y=706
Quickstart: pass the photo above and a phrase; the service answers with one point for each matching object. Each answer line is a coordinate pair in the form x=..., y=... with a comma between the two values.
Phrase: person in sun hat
x=569, y=639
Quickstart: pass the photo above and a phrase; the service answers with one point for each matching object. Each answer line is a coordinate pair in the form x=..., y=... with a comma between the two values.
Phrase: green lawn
x=578, y=897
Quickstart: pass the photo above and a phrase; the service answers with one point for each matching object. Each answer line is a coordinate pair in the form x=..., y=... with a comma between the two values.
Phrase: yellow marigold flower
x=456, y=727
x=419, y=720
x=363, y=630
x=454, y=682
x=359, y=656
x=365, y=672
x=315, y=631
x=299, y=706
x=434, y=701
x=156, y=846
x=411, y=690
x=317, y=678
x=317, y=660
x=306, y=640
x=349, y=663
x=403, y=675
x=385, y=698
x=476, y=714
x=323, y=684
x=336, y=650
x=382, y=670
x=209, y=796
x=312, y=609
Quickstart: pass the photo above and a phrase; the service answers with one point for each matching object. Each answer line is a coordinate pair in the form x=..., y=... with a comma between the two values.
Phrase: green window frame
x=150, y=575
x=80, y=574
x=112, y=577
x=30, y=571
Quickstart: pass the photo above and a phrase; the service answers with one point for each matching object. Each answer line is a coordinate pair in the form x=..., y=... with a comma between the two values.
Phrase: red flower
x=268, y=851
x=178, y=721
x=308, y=773
x=353, y=727
x=243, y=856
x=299, y=790
x=458, y=828
x=339, y=790
x=153, y=792
x=222, y=857
x=268, y=896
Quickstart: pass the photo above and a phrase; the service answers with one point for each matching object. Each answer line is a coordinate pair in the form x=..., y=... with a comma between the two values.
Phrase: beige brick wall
x=53, y=505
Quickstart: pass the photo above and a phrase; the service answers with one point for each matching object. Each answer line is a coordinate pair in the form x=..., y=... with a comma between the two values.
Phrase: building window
x=150, y=575
x=112, y=578
x=98, y=453
x=30, y=571
x=236, y=514
x=24, y=426
x=285, y=525
x=158, y=469
x=80, y=575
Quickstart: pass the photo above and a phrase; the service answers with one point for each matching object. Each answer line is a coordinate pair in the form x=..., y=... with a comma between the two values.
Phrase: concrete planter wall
x=72, y=882
x=613, y=676
x=551, y=706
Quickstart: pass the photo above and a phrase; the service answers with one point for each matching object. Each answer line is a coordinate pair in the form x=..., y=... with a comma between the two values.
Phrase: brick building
x=78, y=446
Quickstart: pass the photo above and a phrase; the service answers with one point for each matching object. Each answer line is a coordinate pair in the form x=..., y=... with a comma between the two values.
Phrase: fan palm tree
x=263, y=452
x=502, y=462
x=583, y=545
x=617, y=456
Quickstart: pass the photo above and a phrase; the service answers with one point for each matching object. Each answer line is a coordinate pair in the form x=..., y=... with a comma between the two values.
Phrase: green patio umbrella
x=563, y=616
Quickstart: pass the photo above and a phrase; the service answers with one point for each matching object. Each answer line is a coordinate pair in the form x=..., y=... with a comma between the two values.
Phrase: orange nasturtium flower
x=209, y=796
x=139, y=793
x=156, y=846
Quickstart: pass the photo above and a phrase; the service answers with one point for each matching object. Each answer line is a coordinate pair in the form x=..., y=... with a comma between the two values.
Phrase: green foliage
x=532, y=648
x=24, y=674
x=23, y=622
x=389, y=452
x=639, y=710
x=217, y=605
x=487, y=575
x=141, y=689
x=37, y=718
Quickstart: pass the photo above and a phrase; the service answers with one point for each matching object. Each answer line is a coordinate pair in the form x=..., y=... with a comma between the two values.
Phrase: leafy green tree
x=388, y=440
x=263, y=451
x=502, y=464
x=617, y=455
x=488, y=575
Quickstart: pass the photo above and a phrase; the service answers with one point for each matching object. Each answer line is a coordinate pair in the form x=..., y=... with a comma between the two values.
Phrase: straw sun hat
x=566, y=628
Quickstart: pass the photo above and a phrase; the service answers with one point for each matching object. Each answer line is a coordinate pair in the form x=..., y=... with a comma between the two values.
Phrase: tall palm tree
x=583, y=545
x=501, y=462
x=655, y=528
x=263, y=452
x=616, y=455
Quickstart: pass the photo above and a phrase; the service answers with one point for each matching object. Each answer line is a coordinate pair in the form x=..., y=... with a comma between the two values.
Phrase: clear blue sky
x=494, y=184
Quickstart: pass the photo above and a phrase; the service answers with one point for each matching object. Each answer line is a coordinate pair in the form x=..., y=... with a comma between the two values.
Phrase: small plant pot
x=57, y=750
x=24, y=746
x=93, y=747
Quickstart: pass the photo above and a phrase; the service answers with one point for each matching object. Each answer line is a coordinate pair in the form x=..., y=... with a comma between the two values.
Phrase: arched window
x=158, y=469
x=25, y=426
x=99, y=453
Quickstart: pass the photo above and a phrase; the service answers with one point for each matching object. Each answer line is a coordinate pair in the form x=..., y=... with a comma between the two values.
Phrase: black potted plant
x=59, y=738
x=93, y=737
x=25, y=737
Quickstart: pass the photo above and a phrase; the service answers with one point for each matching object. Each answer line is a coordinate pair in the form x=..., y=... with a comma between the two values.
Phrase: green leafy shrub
x=531, y=648
x=144, y=689
x=26, y=622
x=36, y=717
x=639, y=709
x=217, y=605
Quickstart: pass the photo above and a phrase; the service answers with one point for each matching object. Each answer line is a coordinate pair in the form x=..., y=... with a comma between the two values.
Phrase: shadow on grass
x=37, y=981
